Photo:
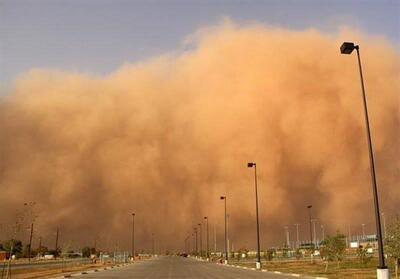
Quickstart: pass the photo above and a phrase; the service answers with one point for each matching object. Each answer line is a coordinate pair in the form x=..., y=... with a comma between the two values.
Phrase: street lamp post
x=133, y=236
x=201, y=240
x=207, y=237
x=382, y=270
x=194, y=245
x=195, y=232
x=56, y=250
x=258, y=263
x=309, y=215
x=297, y=235
x=152, y=244
x=226, y=238
x=30, y=243
x=314, y=232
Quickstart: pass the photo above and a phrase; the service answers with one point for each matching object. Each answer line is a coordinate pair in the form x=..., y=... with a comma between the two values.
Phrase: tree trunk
x=326, y=266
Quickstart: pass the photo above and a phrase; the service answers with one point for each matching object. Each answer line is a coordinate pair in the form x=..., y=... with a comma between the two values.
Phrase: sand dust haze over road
x=167, y=136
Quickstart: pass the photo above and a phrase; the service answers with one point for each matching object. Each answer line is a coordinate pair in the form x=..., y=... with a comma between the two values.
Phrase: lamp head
x=347, y=48
x=250, y=165
x=309, y=206
x=222, y=197
x=205, y=217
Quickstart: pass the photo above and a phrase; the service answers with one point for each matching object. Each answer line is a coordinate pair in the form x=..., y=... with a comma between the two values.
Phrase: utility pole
x=152, y=244
x=56, y=251
x=30, y=243
x=40, y=244
x=197, y=247
x=309, y=215
x=133, y=236
x=208, y=247
x=194, y=245
x=201, y=240
x=226, y=231
x=215, y=238
x=227, y=234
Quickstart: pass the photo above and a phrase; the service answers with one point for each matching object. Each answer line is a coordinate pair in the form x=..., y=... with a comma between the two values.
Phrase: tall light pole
x=215, y=238
x=30, y=243
x=258, y=263
x=297, y=236
x=133, y=236
x=195, y=232
x=201, y=240
x=194, y=245
x=382, y=270
x=314, y=232
x=323, y=232
x=152, y=244
x=309, y=215
x=56, y=250
x=226, y=237
x=207, y=237
x=287, y=236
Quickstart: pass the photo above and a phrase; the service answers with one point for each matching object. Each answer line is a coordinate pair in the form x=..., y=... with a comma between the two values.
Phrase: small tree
x=298, y=254
x=333, y=249
x=14, y=245
x=269, y=254
x=242, y=251
x=362, y=254
x=392, y=243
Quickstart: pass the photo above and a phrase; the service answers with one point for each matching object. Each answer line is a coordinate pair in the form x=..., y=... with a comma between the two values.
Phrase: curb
x=90, y=271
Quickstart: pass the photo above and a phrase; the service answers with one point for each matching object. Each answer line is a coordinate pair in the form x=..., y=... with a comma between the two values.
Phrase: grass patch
x=349, y=268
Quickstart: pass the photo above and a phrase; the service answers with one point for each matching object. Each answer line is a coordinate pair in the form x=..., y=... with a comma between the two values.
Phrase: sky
x=97, y=36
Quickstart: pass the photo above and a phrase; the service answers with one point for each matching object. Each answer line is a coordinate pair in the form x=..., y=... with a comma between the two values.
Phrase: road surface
x=182, y=268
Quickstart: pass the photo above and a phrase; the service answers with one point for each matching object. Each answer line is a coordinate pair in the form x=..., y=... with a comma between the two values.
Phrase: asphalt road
x=179, y=267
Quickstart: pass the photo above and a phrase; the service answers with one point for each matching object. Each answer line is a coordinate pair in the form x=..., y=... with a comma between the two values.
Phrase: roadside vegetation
x=335, y=260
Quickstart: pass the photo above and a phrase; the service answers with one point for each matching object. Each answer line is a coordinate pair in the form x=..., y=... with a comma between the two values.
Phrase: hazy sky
x=97, y=36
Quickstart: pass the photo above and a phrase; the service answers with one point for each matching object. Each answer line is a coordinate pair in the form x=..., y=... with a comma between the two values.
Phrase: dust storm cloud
x=166, y=137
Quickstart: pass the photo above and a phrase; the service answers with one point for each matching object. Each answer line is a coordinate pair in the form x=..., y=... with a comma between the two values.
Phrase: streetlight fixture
x=201, y=240
x=195, y=232
x=152, y=244
x=226, y=238
x=258, y=263
x=382, y=270
x=133, y=236
x=297, y=235
x=56, y=250
x=208, y=251
x=311, y=235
